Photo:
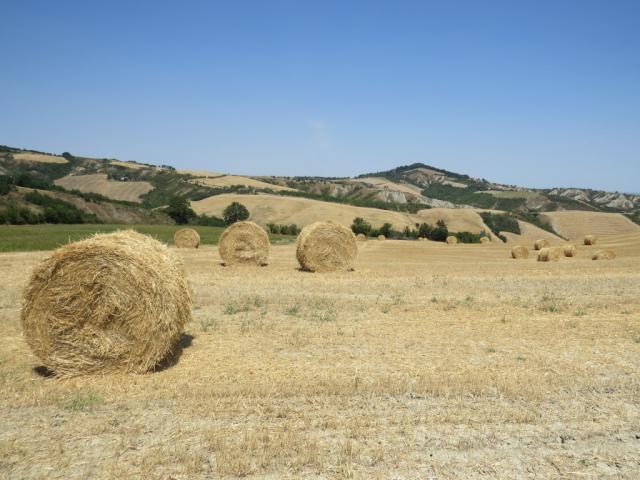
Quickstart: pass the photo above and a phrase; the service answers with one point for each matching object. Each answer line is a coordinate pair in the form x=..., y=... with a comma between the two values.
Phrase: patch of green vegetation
x=558, y=202
x=471, y=196
x=83, y=402
x=59, y=211
x=501, y=222
x=534, y=219
x=17, y=238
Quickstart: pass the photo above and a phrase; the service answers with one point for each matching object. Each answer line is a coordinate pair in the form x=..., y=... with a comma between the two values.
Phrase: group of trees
x=276, y=229
x=438, y=232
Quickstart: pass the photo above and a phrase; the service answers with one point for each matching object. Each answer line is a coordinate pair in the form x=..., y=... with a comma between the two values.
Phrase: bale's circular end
x=485, y=240
x=590, y=239
x=570, y=250
x=451, y=240
x=604, y=255
x=381, y=237
x=111, y=303
x=244, y=243
x=540, y=244
x=519, y=252
x=186, y=238
x=326, y=247
x=549, y=254
x=361, y=237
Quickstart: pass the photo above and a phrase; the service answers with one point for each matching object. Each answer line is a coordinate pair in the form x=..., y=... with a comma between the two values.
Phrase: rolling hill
x=402, y=196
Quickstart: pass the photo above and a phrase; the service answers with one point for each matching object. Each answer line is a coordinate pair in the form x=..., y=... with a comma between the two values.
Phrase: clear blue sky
x=533, y=93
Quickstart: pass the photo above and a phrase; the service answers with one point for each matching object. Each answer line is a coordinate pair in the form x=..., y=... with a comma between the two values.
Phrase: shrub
x=360, y=225
x=6, y=184
x=235, y=212
x=180, y=210
x=56, y=211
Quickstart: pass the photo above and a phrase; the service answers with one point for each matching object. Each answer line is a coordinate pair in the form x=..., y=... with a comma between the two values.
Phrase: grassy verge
x=20, y=238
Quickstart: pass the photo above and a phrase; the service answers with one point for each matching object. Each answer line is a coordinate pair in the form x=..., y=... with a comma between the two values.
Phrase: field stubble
x=426, y=362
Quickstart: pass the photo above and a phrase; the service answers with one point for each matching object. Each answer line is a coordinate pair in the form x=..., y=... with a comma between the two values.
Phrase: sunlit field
x=427, y=361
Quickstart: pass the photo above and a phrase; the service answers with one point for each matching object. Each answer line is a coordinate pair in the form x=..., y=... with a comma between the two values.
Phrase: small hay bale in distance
x=570, y=250
x=186, y=238
x=244, y=243
x=326, y=247
x=519, y=252
x=361, y=237
x=485, y=240
x=540, y=244
x=549, y=254
x=381, y=237
x=451, y=240
x=110, y=303
x=590, y=239
x=604, y=255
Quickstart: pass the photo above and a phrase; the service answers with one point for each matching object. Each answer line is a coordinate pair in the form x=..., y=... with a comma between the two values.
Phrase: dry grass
x=426, y=362
x=230, y=180
x=303, y=211
x=38, y=157
x=98, y=183
x=574, y=225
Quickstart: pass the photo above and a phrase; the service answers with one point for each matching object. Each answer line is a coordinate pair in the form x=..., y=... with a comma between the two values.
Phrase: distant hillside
x=140, y=188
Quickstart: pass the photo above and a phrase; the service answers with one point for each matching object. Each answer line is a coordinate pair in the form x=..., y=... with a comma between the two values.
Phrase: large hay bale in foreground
x=604, y=255
x=484, y=240
x=186, y=238
x=361, y=237
x=451, y=240
x=549, y=254
x=590, y=239
x=570, y=250
x=519, y=252
x=381, y=237
x=244, y=243
x=112, y=302
x=540, y=244
x=326, y=247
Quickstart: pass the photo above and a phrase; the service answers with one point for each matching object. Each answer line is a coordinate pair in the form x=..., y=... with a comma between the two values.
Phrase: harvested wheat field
x=38, y=157
x=574, y=225
x=424, y=362
x=229, y=180
x=98, y=183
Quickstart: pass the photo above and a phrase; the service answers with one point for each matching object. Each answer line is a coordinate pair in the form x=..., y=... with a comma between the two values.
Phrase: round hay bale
x=451, y=240
x=485, y=240
x=570, y=250
x=244, y=243
x=540, y=244
x=549, y=254
x=186, y=238
x=381, y=237
x=590, y=239
x=326, y=247
x=519, y=252
x=361, y=237
x=110, y=303
x=604, y=255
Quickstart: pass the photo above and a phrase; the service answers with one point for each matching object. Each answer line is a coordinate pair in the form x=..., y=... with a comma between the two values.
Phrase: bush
x=501, y=222
x=209, y=221
x=360, y=225
x=180, y=210
x=468, y=237
x=56, y=211
x=235, y=212
x=276, y=229
x=385, y=230
x=6, y=184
